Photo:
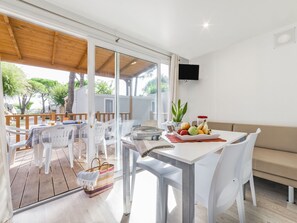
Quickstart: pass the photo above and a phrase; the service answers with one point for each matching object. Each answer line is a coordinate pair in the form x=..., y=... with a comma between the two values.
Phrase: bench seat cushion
x=275, y=162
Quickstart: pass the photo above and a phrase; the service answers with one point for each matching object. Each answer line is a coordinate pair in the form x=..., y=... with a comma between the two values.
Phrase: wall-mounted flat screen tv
x=188, y=72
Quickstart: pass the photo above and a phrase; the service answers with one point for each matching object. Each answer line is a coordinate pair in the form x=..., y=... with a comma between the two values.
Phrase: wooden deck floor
x=29, y=184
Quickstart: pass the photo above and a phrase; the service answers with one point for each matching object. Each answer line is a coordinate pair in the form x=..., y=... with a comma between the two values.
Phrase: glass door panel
x=105, y=104
x=141, y=89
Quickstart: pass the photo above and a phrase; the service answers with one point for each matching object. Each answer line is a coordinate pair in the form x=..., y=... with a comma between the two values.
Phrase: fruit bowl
x=196, y=137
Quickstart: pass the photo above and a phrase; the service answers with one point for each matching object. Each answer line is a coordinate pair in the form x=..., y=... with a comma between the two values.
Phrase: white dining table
x=183, y=155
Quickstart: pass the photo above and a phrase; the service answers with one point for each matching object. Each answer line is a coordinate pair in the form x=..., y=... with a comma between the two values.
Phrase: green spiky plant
x=178, y=110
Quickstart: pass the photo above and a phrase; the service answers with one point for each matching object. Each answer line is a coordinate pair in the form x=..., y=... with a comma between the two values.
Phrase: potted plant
x=178, y=111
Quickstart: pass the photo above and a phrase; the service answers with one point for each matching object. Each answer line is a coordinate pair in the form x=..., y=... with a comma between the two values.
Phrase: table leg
x=188, y=192
x=126, y=179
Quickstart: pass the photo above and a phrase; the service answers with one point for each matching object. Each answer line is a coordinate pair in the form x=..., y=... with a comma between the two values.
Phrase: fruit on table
x=186, y=129
x=184, y=132
x=200, y=131
x=185, y=125
x=193, y=130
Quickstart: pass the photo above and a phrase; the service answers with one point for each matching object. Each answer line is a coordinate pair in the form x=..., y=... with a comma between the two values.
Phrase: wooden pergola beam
x=38, y=63
x=12, y=36
x=144, y=70
x=82, y=59
x=105, y=63
x=128, y=65
x=54, y=47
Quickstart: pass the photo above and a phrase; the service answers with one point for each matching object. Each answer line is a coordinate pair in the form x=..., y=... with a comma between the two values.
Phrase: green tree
x=102, y=87
x=32, y=88
x=151, y=86
x=59, y=92
x=14, y=79
x=45, y=91
x=78, y=84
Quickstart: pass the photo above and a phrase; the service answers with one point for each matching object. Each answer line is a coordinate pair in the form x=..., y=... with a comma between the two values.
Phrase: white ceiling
x=175, y=25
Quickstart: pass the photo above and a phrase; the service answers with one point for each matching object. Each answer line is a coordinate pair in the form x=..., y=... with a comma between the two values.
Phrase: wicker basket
x=105, y=179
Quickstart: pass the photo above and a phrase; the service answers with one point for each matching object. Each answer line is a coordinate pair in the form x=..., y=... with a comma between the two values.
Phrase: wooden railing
x=104, y=117
x=26, y=121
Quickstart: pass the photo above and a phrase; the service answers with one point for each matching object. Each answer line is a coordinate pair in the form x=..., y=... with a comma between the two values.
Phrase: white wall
x=249, y=82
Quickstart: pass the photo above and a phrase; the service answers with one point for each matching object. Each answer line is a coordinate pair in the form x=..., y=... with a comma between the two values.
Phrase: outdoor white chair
x=59, y=136
x=216, y=186
x=159, y=169
x=126, y=127
x=99, y=131
x=13, y=146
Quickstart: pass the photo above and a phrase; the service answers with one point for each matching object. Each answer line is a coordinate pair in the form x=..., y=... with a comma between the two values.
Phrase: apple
x=178, y=131
x=184, y=132
x=193, y=130
x=185, y=125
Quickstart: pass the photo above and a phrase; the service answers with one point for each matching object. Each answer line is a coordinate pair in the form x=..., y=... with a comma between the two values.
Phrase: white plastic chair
x=248, y=164
x=57, y=137
x=247, y=174
x=13, y=146
x=99, y=131
x=216, y=186
x=127, y=126
x=159, y=169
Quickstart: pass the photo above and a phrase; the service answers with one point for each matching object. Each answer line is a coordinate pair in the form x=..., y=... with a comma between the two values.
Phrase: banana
x=206, y=131
x=205, y=127
x=200, y=126
x=200, y=131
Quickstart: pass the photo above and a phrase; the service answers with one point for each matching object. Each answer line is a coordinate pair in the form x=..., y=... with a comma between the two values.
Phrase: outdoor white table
x=183, y=156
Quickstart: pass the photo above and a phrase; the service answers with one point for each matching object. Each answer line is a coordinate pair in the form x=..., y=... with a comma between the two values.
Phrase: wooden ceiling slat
x=109, y=59
x=128, y=65
x=39, y=63
x=54, y=47
x=13, y=39
x=83, y=58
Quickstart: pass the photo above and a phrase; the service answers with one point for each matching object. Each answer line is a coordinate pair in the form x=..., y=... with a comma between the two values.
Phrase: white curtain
x=5, y=194
x=173, y=83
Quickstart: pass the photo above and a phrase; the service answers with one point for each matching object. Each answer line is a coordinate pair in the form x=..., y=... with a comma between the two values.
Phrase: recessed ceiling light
x=133, y=63
x=205, y=25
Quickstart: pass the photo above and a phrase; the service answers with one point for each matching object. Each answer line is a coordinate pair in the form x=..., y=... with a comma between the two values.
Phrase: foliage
x=151, y=86
x=14, y=79
x=59, y=92
x=102, y=87
x=28, y=106
x=32, y=88
x=178, y=111
x=44, y=89
x=77, y=83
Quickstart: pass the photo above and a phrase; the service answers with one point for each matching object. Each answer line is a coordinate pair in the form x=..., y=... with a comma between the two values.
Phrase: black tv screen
x=188, y=72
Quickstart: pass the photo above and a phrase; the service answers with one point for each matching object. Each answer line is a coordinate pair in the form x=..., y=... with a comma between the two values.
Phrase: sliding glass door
x=126, y=90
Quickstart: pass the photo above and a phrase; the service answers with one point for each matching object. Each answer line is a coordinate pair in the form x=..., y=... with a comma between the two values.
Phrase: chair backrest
x=227, y=177
x=127, y=126
x=110, y=128
x=99, y=132
x=248, y=156
x=11, y=130
x=58, y=136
